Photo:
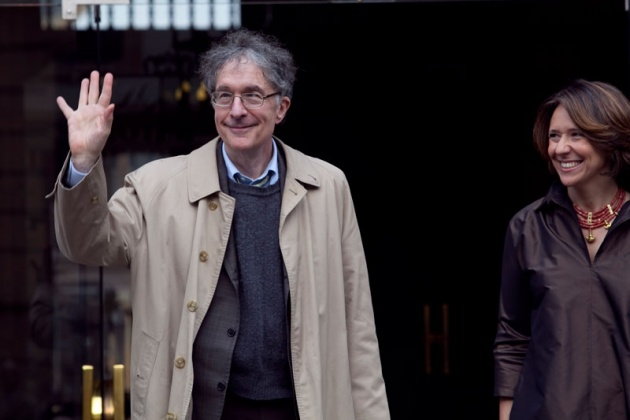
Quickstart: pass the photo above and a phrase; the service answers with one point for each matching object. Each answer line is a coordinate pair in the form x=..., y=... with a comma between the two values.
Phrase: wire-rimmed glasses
x=248, y=99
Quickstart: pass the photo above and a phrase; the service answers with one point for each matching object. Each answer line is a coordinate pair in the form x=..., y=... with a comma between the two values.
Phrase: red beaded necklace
x=604, y=217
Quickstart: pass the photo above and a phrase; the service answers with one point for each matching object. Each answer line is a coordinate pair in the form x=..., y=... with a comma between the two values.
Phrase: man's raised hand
x=90, y=124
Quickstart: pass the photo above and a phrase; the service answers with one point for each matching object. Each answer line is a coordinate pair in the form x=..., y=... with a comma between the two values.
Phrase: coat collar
x=203, y=177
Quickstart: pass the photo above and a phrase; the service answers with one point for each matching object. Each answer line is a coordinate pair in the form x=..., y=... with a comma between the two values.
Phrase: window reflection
x=148, y=14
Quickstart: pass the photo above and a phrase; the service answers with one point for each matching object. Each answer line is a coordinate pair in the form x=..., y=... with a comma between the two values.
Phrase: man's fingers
x=64, y=107
x=91, y=95
x=93, y=92
x=106, y=93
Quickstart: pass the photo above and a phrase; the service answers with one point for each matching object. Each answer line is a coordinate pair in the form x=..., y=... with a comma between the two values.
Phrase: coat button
x=231, y=332
x=221, y=386
x=192, y=306
x=212, y=205
x=203, y=256
x=180, y=362
x=94, y=199
x=171, y=416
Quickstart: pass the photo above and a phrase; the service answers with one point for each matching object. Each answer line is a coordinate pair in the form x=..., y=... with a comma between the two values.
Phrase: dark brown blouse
x=562, y=348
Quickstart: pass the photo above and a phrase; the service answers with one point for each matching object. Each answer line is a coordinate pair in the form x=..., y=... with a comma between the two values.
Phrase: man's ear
x=285, y=103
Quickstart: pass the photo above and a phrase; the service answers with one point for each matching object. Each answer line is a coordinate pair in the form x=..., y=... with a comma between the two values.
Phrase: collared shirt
x=272, y=166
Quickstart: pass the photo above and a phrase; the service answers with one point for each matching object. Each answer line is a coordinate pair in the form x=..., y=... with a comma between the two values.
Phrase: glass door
x=66, y=327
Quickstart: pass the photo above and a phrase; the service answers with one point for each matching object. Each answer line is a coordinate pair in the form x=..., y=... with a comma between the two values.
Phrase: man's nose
x=237, y=106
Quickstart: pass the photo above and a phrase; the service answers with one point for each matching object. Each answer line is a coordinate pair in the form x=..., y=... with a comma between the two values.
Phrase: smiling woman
x=564, y=268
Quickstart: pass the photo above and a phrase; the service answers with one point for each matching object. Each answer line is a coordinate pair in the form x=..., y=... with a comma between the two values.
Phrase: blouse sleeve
x=513, y=330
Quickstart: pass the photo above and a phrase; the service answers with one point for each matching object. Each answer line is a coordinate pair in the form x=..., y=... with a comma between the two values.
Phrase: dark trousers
x=237, y=408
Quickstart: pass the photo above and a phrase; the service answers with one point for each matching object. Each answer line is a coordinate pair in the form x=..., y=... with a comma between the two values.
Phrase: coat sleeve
x=513, y=330
x=368, y=387
x=88, y=229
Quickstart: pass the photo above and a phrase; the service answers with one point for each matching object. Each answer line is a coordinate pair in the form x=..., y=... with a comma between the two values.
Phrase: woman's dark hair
x=602, y=113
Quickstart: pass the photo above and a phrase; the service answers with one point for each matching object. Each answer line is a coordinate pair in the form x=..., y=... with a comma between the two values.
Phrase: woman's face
x=573, y=156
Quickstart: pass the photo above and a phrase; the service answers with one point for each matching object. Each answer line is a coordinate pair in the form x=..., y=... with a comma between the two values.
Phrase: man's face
x=246, y=130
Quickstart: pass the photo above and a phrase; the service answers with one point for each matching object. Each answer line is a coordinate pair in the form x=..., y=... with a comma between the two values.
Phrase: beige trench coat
x=170, y=224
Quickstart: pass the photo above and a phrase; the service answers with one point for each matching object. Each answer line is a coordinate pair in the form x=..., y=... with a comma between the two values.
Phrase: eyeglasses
x=249, y=99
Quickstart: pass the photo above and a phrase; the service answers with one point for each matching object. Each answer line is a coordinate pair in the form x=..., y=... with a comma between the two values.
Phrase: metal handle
x=119, y=392
x=88, y=390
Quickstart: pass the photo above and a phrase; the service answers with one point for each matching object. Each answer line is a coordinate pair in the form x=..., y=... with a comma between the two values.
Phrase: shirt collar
x=272, y=166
